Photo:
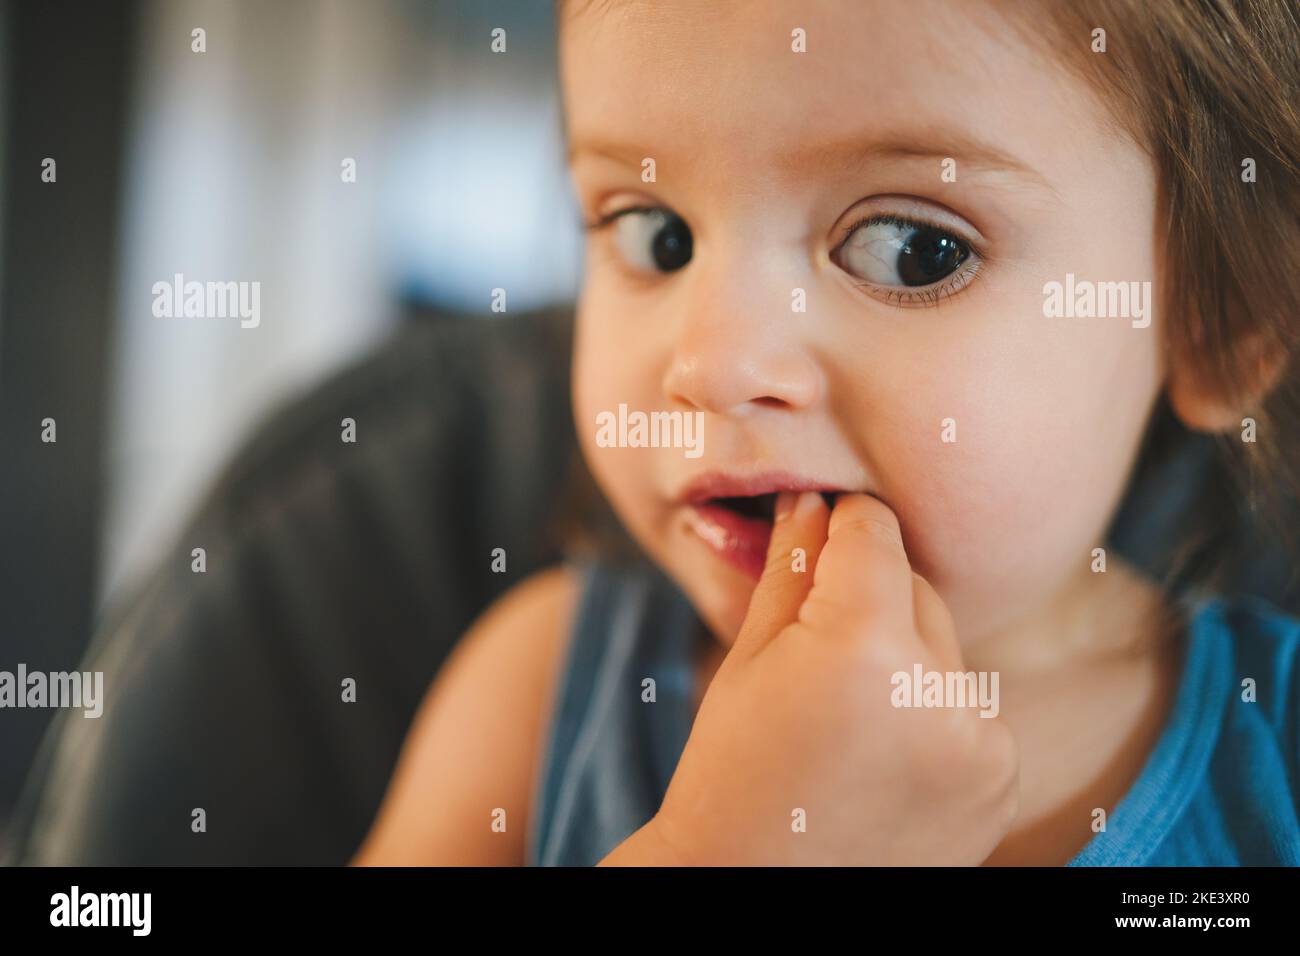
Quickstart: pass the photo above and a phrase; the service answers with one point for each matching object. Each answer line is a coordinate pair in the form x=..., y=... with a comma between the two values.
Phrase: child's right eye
x=651, y=239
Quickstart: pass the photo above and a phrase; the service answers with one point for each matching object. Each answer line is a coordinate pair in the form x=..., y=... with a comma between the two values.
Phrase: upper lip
x=720, y=485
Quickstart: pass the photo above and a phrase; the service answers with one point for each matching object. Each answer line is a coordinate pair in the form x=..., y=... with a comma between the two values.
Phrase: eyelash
x=925, y=298
x=600, y=222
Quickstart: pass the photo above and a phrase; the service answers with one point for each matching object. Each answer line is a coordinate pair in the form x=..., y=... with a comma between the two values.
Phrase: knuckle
x=816, y=613
x=875, y=527
x=878, y=655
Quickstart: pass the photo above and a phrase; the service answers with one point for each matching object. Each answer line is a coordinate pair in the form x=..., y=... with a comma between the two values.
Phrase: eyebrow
x=850, y=153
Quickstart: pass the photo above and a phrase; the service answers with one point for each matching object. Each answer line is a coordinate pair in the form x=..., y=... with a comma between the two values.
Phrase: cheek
x=612, y=363
x=995, y=531
x=606, y=374
x=1006, y=514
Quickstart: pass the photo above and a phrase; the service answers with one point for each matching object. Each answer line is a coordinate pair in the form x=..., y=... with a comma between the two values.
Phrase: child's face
x=770, y=159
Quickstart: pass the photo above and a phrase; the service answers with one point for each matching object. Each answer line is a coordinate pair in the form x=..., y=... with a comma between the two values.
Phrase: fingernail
x=785, y=504
x=808, y=502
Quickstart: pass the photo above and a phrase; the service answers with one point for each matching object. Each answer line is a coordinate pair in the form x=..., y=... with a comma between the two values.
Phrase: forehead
x=718, y=85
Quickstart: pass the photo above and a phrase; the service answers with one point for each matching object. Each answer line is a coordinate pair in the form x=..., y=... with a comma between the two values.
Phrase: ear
x=1203, y=407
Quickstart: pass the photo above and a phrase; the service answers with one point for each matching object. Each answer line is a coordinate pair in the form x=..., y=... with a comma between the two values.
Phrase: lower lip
x=740, y=541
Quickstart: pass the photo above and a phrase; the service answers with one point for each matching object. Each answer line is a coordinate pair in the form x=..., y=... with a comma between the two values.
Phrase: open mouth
x=761, y=506
x=739, y=527
x=749, y=506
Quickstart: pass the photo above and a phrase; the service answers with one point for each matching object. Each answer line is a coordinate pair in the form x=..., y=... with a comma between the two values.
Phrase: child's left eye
x=906, y=261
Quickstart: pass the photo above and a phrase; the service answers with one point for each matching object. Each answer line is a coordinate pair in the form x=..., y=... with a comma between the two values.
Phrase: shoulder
x=514, y=645
x=474, y=747
x=545, y=598
x=1256, y=762
x=1265, y=642
x=510, y=659
x=501, y=675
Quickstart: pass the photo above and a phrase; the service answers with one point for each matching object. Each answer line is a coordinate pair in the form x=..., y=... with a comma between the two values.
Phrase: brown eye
x=653, y=240
x=892, y=252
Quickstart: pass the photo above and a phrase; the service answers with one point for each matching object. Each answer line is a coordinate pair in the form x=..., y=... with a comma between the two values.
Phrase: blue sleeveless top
x=1218, y=789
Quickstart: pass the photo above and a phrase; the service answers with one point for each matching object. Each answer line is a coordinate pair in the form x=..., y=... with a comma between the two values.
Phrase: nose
x=739, y=345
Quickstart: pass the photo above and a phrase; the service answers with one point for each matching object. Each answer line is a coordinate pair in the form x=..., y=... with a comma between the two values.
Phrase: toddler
x=923, y=275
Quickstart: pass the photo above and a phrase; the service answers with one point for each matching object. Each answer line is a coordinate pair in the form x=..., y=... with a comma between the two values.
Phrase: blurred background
x=226, y=165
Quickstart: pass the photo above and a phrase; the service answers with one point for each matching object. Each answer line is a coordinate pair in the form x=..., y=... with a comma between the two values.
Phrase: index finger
x=863, y=571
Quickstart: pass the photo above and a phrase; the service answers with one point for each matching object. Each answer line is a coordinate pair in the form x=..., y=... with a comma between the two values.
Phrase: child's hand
x=799, y=716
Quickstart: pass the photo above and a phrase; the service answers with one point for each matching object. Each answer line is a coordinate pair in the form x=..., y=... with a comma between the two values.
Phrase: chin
x=723, y=617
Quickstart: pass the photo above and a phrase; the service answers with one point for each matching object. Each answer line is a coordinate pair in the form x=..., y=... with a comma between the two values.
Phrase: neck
x=1091, y=618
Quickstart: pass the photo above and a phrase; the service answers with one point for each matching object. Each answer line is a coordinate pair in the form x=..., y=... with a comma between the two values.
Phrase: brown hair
x=1203, y=87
